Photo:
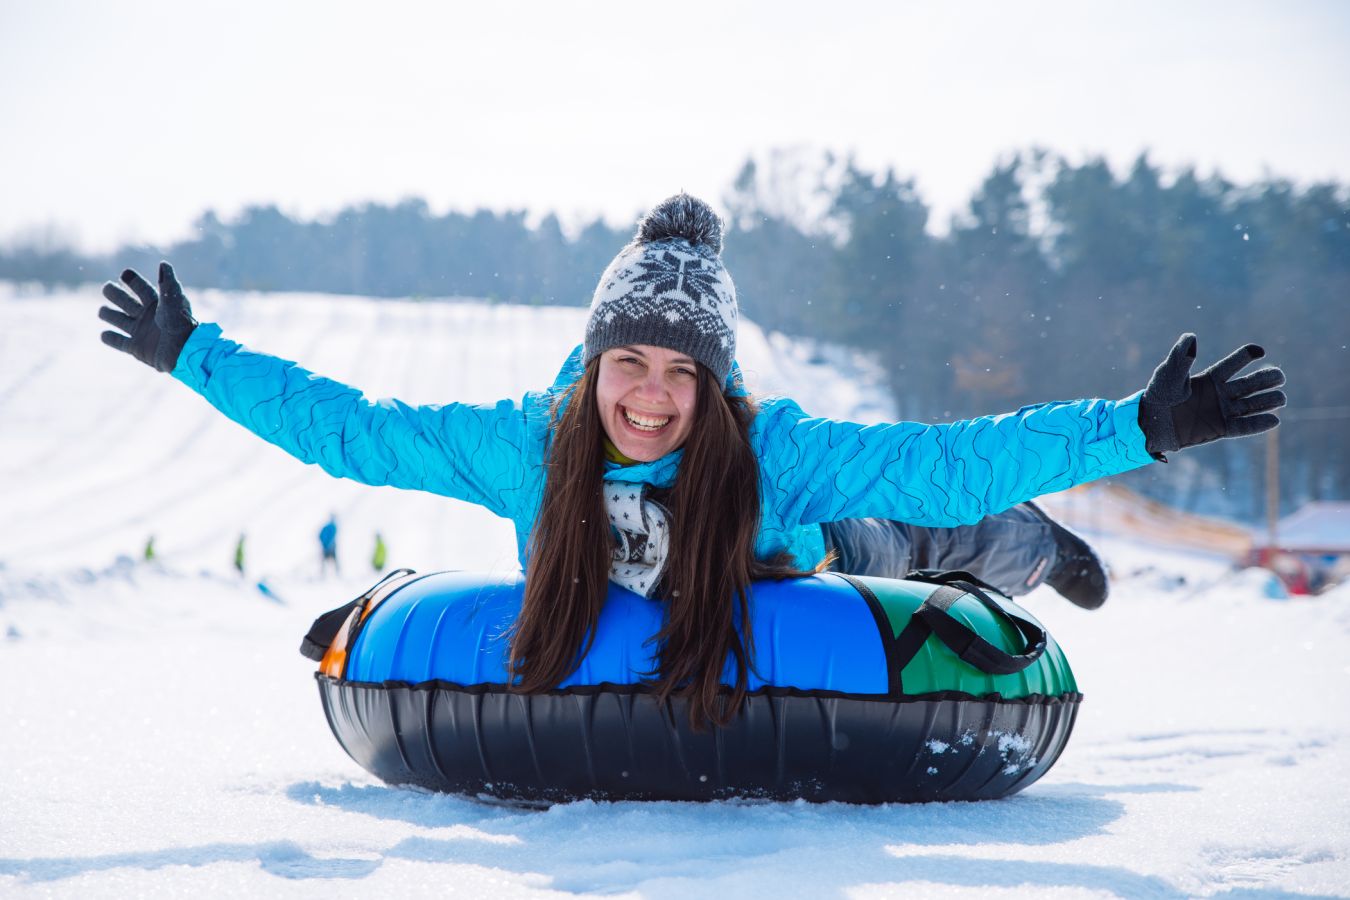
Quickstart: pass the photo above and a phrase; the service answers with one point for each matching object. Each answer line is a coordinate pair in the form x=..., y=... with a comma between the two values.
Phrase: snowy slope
x=162, y=737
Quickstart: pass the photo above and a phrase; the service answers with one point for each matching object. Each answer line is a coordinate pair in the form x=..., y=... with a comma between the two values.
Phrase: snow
x=162, y=736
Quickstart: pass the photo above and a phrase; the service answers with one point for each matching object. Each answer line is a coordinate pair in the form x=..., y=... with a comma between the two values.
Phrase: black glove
x=157, y=326
x=1179, y=409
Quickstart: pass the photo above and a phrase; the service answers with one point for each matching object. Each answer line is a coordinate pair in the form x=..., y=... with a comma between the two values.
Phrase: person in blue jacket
x=328, y=545
x=648, y=465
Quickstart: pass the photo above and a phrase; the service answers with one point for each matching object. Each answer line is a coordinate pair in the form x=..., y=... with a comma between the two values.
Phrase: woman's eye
x=685, y=373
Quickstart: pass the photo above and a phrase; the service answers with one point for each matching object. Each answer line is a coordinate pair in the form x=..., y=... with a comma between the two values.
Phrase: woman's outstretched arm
x=471, y=452
x=821, y=470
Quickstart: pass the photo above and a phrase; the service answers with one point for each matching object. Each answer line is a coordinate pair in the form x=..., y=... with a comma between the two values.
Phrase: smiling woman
x=647, y=465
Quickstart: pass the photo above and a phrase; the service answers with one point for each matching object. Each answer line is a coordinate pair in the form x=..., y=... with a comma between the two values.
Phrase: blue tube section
x=812, y=634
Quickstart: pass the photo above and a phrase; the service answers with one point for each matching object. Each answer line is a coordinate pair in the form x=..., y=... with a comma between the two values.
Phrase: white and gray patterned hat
x=668, y=288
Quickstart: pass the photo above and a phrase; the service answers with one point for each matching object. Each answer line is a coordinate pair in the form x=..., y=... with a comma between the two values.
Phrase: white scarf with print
x=642, y=536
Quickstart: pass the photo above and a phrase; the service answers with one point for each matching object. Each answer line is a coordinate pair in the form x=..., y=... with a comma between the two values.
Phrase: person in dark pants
x=328, y=544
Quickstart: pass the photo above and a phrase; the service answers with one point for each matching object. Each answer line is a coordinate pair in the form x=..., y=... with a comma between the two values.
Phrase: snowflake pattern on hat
x=672, y=275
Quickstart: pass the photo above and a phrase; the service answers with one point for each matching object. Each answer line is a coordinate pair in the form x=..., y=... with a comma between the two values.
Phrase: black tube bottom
x=622, y=745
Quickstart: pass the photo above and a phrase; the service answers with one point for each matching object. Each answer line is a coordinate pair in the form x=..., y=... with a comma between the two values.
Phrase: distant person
x=328, y=545
x=377, y=559
x=648, y=465
x=239, y=556
x=149, y=552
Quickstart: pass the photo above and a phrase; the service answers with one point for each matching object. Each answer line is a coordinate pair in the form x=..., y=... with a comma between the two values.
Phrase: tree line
x=1059, y=279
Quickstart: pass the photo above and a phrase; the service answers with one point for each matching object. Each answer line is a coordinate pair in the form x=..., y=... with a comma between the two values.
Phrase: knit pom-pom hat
x=668, y=288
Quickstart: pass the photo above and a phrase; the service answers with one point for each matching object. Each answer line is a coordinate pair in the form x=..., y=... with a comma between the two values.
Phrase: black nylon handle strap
x=949, y=576
x=326, y=627
x=315, y=644
x=967, y=644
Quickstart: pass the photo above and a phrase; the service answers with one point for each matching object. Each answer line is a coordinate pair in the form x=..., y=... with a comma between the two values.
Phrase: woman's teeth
x=645, y=423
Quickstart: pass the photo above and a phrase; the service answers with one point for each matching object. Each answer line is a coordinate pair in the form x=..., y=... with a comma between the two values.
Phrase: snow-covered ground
x=160, y=735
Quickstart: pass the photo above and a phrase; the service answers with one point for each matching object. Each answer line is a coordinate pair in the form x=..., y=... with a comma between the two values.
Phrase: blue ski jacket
x=812, y=470
x=328, y=536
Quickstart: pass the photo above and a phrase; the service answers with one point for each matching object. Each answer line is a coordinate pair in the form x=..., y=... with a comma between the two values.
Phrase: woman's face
x=646, y=397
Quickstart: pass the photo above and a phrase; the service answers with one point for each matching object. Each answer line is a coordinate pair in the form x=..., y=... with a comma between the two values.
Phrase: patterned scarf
x=642, y=530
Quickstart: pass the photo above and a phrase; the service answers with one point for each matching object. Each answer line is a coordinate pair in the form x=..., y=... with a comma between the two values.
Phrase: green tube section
x=936, y=668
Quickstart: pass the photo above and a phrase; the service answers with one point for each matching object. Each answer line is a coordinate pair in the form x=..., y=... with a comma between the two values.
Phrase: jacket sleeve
x=823, y=470
x=473, y=453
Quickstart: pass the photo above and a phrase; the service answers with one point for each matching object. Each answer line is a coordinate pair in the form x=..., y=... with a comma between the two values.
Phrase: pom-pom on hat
x=668, y=288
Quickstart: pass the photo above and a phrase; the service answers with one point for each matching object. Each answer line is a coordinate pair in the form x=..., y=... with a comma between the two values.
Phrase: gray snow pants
x=1012, y=550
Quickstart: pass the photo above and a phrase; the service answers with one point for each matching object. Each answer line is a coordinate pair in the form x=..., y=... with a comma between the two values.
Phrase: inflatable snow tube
x=865, y=690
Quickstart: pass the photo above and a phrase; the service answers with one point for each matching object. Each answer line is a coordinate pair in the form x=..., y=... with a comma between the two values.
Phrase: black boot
x=1078, y=574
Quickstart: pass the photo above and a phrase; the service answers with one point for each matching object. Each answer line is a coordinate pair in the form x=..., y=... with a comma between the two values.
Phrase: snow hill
x=160, y=736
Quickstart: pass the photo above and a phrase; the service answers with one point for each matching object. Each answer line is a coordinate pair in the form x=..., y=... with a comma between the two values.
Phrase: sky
x=124, y=121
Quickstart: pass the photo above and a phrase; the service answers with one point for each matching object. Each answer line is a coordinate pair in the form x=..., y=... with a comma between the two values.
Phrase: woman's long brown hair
x=715, y=515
